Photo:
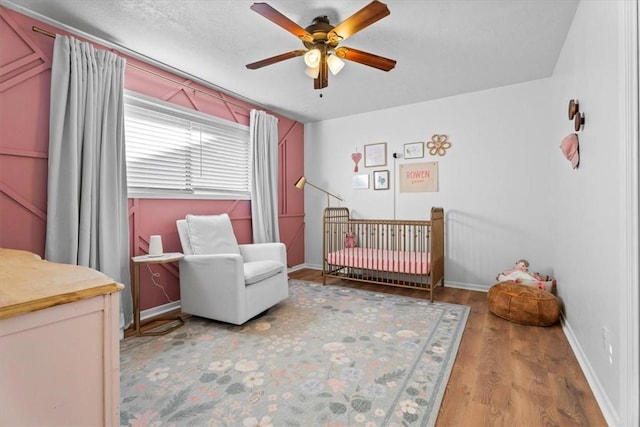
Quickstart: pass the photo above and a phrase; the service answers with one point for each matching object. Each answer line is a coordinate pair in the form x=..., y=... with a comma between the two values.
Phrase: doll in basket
x=521, y=274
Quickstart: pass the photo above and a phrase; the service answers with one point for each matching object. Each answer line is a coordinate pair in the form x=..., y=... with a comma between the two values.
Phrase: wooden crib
x=392, y=252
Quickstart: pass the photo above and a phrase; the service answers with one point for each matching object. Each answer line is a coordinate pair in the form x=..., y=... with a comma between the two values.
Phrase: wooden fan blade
x=322, y=80
x=274, y=59
x=366, y=16
x=365, y=58
x=279, y=19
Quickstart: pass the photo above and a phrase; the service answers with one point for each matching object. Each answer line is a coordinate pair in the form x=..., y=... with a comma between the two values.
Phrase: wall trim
x=467, y=286
x=160, y=310
x=11, y=4
x=629, y=359
x=297, y=267
x=448, y=284
x=608, y=410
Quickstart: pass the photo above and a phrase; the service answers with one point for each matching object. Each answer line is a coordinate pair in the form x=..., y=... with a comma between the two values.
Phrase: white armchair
x=224, y=281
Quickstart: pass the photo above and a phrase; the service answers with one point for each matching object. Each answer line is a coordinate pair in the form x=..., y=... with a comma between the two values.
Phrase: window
x=174, y=152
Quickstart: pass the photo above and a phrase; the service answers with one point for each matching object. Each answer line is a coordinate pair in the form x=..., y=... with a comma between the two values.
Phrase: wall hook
x=578, y=122
x=576, y=115
x=574, y=108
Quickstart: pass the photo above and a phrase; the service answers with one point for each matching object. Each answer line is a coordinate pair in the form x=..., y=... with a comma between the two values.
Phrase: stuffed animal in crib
x=350, y=240
x=520, y=274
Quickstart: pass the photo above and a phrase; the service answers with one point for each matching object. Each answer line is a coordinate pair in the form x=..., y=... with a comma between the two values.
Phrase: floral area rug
x=326, y=356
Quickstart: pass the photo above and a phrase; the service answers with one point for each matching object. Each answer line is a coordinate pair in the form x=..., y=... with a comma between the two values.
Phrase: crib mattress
x=382, y=260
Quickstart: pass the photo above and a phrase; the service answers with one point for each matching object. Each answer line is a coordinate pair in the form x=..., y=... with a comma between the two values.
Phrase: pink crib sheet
x=382, y=260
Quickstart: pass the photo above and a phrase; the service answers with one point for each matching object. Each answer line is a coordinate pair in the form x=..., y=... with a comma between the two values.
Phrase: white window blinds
x=174, y=152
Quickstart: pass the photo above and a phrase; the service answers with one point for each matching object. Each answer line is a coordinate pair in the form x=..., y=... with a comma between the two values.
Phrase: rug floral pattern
x=326, y=356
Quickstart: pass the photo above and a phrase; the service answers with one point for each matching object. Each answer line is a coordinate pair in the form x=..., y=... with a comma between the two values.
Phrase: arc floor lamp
x=303, y=181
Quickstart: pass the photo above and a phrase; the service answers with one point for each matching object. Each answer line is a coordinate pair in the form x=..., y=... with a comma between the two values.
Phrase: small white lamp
x=155, y=245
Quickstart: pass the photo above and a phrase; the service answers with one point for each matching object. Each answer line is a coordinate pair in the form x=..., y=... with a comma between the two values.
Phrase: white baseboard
x=467, y=286
x=311, y=266
x=296, y=268
x=608, y=411
x=159, y=310
x=447, y=283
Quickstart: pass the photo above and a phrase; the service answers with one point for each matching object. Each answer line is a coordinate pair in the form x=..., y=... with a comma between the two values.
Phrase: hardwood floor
x=505, y=374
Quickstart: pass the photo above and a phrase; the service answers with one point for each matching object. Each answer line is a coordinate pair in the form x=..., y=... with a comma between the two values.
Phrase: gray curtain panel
x=263, y=133
x=87, y=206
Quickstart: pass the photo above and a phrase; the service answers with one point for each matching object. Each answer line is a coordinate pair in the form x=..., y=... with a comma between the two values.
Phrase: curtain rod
x=153, y=73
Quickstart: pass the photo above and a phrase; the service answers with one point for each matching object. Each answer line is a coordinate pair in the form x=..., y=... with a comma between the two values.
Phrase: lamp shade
x=301, y=182
x=312, y=58
x=335, y=64
x=312, y=72
x=155, y=245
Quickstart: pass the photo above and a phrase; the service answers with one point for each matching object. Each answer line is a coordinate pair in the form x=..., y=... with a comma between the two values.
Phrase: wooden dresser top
x=28, y=283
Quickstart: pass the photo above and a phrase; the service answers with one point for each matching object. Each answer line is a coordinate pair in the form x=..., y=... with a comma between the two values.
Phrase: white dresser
x=59, y=344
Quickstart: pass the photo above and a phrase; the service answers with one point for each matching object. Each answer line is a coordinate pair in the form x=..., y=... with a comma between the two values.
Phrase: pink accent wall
x=25, y=77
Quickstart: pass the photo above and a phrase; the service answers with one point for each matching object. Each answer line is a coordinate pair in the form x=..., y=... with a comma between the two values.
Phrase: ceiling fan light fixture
x=312, y=72
x=335, y=64
x=312, y=58
x=321, y=39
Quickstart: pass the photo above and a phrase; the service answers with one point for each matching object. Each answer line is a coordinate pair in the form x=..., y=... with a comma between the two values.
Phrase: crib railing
x=395, y=252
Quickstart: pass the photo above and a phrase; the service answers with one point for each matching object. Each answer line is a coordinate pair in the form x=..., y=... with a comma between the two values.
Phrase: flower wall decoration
x=438, y=145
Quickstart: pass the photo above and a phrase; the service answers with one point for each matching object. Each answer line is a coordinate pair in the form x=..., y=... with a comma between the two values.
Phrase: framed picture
x=414, y=150
x=361, y=182
x=381, y=180
x=375, y=155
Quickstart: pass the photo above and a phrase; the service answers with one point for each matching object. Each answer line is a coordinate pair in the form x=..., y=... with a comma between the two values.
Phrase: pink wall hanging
x=356, y=159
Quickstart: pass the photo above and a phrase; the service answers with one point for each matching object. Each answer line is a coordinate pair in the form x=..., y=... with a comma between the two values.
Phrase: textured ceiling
x=442, y=47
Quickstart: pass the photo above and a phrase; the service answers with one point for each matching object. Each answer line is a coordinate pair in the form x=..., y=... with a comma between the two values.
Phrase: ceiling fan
x=321, y=40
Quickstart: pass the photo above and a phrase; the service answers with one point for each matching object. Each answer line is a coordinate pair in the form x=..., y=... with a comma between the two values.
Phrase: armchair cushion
x=211, y=235
x=257, y=271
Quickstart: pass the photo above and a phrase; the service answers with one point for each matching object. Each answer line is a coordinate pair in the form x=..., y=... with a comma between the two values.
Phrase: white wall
x=494, y=181
x=508, y=192
x=588, y=218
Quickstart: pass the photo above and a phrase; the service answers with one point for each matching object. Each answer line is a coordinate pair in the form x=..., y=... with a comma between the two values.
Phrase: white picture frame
x=361, y=182
x=414, y=150
x=375, y=155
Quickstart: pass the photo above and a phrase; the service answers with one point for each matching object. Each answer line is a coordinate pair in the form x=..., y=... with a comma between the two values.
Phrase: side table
x=149, y=259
